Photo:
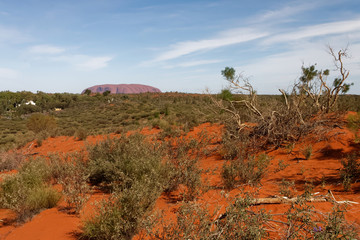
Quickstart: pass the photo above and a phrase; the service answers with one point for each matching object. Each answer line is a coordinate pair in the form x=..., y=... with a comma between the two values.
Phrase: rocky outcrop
x=122, y=88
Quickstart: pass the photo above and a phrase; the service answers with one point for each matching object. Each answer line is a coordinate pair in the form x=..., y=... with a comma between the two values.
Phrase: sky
x=67, y=46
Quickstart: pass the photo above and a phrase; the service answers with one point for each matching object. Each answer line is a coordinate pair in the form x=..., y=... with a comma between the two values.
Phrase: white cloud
x=46, y=49
x=84, y=62
x=11, y=35
x=339, y=27
x=7, y=73
x=193, y=63
x=94, y=63
x=230, y=37
x=285, y=12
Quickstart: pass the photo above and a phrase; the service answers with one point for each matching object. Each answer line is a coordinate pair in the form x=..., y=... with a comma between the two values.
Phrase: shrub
x=182, y=167
x=123, y=215
x=11, y=160
x=247, y=171
x=194, y=222
x=39, y=122
x=123, y=161
x=81, y=134
x=27, y=193
x=351, y=170
x=70, y=172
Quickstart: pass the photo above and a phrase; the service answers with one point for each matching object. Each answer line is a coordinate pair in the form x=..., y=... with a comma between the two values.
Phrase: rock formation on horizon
x=122, y=88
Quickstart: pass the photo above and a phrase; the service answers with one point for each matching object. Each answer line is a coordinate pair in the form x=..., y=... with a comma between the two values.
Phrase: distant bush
x=81, y=134
x=27, y=192
x=39, y=122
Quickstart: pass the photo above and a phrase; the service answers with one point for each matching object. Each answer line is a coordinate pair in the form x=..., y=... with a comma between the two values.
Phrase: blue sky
x=66, y=46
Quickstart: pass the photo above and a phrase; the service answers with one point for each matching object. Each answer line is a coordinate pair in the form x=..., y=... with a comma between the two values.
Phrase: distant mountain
x=122, y=88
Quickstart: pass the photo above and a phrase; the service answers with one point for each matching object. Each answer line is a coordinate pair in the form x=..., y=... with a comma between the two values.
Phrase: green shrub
x=245, y=171
x=27, y=192
x=70, y=171
x=39, y=122
x=81, y=134
x=182, y=167
x=351, y=170
x=123, y=215
x=123, y=161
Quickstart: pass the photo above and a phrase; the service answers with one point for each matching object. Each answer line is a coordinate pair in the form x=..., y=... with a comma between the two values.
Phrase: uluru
x=122, y=88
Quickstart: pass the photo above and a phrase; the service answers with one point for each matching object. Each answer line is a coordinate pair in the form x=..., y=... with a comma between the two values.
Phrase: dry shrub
x=11, y=160
x=70, y=171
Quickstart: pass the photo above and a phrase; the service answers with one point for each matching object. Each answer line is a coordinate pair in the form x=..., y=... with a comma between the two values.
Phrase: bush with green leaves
x=182, y=167
x=245, y=171
x=38, y=122
x=28, y=191
x=120, y=162
x=70, y=171
x=350, y=171
x=124, y=214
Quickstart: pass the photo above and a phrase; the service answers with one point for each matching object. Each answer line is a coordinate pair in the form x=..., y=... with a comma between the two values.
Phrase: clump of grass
x=307, y=152
x=28, y=192
x=287, y=188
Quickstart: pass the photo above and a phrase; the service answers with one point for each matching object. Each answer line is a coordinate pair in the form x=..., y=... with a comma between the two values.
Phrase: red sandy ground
x=324, y=165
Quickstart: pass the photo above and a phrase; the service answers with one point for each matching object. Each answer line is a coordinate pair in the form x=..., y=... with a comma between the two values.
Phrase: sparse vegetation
x=28, y=192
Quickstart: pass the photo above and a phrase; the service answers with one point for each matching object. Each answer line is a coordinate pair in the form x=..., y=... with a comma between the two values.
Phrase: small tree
x=313, y=83
x=87, y=92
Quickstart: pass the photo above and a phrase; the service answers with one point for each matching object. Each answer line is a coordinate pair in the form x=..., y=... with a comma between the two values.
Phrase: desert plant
x=11, y=160
x=351, y=170
x=307, y=152
x=123, y=215
x=285, y=188
x=122, y=161
x=245, y=171
x=81, y=134
x=182, y=167
x=70, y=172
x=40, y=122
x=27, y=192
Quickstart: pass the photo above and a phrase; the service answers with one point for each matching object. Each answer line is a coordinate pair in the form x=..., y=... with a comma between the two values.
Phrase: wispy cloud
x=84, y=62
x=94, y=63
x=46, y=49
x=285, y=12
x=339, y=27
x=8, y=73
x=11, y=35
x=194, y=63
x=230, y=37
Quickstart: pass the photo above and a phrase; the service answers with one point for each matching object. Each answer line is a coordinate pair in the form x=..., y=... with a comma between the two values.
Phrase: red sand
x=323, y=165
